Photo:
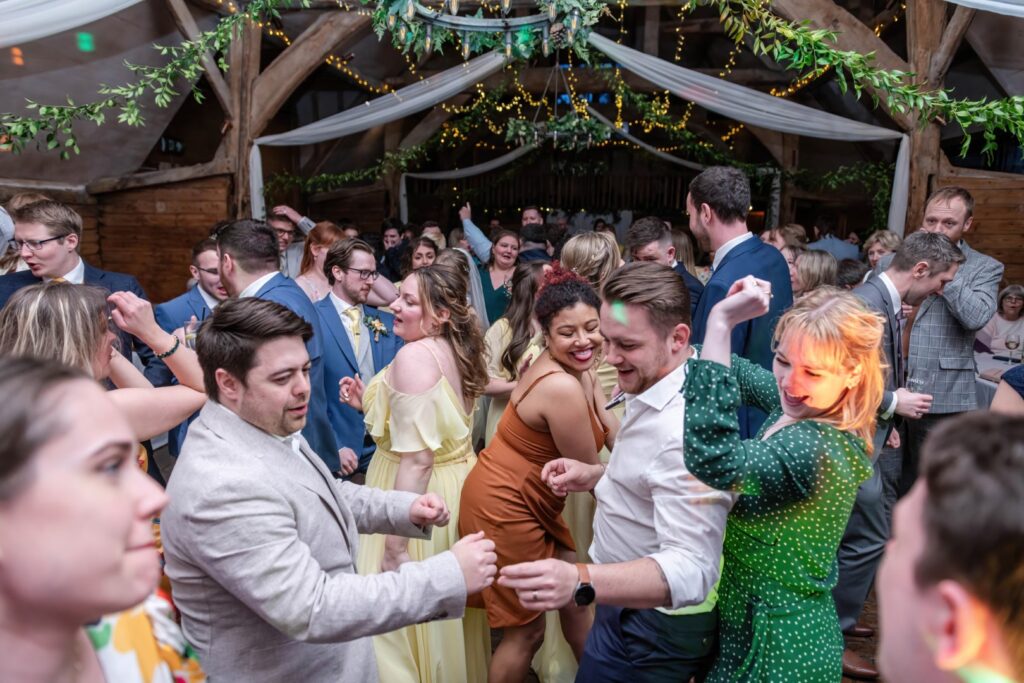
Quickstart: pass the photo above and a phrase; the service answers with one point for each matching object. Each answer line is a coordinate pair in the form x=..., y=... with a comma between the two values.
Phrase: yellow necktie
x=352, y=313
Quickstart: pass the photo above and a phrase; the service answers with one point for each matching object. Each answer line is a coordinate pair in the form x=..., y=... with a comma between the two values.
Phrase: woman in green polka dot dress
x=797, y=480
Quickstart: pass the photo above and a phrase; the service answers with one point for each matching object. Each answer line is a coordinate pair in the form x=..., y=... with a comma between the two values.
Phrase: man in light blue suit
x=249, y=262
x=198, y=302
x=828, y=242
x=358, y=339
x=718, y=203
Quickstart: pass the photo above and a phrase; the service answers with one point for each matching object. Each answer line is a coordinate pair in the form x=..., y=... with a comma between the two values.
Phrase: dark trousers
x=861, y=549
x=646, y=646
x=917, y=430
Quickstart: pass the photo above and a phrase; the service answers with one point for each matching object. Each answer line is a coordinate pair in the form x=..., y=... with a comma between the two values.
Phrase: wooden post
x=244, y=60
x=652, y=29
x=925, y=22
x=187, y=27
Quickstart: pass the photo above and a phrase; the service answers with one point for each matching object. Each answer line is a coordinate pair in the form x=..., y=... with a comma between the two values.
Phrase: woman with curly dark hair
x=504, y=496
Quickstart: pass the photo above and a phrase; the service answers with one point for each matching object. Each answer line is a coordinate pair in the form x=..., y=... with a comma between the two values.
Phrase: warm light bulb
x=402, y=33
x=410, y=9
x=428, y=40
x=506, y=5
x=508, y=46
x=574, y=20
x=466, y=49
x=552, y=11
x=453, y=6
x=392, y=18
x=545, y=41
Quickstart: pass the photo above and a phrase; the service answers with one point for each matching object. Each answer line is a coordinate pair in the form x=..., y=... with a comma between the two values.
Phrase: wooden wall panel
x=149, y=232
x=367, y=207
x=998, y=216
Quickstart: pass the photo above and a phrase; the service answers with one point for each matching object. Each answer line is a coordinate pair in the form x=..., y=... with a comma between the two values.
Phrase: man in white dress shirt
x=657, y=530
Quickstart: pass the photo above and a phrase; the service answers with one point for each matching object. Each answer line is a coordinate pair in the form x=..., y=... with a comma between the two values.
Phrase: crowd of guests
x=389, y=446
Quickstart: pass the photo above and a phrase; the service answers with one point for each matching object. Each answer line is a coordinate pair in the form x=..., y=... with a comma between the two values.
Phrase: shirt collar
x=340, y=305
x=210, y=301
x=255, y=286
x=666, y=388
x=897, y=300
x=723, y=250
x=76, y=275
x=292, y=441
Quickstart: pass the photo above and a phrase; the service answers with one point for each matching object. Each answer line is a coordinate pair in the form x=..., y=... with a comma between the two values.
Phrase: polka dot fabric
x=778, y=620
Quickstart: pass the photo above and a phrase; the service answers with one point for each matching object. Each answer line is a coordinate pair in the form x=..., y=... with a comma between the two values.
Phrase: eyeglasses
x=209, y=271
x=33, y=245
x=370, y=275
x=282, y=232
x=1013, y=297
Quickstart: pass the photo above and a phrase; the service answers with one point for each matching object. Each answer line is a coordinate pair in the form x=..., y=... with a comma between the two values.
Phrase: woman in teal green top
x=496, y=274
x=797, y=480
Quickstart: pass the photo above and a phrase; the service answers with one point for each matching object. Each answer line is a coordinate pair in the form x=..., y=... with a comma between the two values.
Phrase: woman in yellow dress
x=512, y=342
x=419, y=411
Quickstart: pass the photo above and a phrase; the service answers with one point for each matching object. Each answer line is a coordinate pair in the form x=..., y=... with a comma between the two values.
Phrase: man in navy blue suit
x=249, y=262
x=198, y=302
x=650, y=239
x=358, y=339
x=718, y=203
x=47, y=234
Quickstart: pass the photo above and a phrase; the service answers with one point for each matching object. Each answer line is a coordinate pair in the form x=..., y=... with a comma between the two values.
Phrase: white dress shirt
x=721, y=252
x=648, y=503
x=76, y=275
x=257, y=285
x=210, y=300
x=897, y=307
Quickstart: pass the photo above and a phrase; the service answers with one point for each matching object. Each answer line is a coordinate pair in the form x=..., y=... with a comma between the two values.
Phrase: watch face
x=584, y=594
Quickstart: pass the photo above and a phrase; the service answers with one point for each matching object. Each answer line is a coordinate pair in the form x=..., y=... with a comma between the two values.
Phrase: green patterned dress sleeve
x=778, y=620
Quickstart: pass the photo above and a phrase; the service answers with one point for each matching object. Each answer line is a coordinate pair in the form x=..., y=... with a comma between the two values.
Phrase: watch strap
x=584, y=572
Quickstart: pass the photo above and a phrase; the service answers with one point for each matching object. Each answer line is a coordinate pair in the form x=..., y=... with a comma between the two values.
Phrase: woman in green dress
x=797, y=480
x=496, y=274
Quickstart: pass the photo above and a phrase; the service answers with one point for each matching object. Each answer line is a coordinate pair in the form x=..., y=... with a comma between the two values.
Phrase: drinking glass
x=919, y=381
x=190, y=328
x=1012, y=344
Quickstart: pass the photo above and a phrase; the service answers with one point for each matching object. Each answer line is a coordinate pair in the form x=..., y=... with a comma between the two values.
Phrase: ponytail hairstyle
x=525, y=283
x=443, y=287
x=563, y=289
x=836, y=331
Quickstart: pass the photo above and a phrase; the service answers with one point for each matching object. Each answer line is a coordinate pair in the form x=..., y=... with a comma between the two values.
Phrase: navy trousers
x=646, y=646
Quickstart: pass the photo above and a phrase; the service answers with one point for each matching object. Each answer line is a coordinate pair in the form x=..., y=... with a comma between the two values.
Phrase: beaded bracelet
x=165, y=354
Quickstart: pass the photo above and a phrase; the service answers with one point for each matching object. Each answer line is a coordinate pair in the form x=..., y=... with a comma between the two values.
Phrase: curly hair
x=562, y=289
x=443, y=287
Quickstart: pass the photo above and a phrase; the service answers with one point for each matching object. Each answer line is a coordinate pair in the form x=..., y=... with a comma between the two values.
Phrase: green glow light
x=85, y=41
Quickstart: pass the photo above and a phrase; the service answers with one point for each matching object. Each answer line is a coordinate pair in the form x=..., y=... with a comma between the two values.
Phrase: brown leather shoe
x=858, y=631
x=855, y=666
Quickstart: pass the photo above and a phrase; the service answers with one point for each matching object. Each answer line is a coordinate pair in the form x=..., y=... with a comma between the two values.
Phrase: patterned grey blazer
x=260, y=544
x=942, y=336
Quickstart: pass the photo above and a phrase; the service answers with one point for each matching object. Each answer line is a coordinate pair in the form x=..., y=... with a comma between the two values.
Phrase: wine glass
x=1012, y=343
x=919, y=381
x=191, y=327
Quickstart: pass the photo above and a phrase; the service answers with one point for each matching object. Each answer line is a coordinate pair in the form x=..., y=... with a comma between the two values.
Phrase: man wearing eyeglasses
x=358, y=339
x=47, y=235
x=198, y=302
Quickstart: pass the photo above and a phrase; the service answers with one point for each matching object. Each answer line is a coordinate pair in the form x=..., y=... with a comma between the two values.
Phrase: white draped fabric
x=1011, y=8
x=650, y=149
x=376, y=112
x=487, y=166
x=759, y=109
x=22, y=21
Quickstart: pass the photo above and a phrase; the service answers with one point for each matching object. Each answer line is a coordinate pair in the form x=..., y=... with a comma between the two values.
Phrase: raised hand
x=748, y=298
x=466, y=213
x=477, y=560
x=287, y=211
x=134, y=316
x=350, y=392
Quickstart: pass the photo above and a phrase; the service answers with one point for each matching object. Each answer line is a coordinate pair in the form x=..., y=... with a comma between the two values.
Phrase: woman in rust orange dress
x=504, y=495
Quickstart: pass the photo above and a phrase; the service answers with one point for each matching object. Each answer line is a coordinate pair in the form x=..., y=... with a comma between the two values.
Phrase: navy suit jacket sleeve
x=155, y=371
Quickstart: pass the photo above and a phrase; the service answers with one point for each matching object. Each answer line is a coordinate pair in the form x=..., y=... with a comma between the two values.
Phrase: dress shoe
x=855, y=666
x=858, y=631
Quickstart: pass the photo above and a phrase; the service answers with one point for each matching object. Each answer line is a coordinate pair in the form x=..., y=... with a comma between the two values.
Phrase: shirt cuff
x=305, y=225
x=892, y=407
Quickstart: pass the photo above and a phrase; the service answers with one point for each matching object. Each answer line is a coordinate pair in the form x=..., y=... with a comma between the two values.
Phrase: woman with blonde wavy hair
x=419, y=411
x=814, y=269
x=795, y=482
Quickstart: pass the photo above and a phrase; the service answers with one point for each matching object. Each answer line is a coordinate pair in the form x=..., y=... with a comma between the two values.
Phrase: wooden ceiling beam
x=852, y=35
x=951, y=39
x=272, y=88
x=187, y=26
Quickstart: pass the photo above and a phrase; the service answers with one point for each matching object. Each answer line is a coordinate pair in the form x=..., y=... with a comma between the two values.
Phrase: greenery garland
x=570, y=132
x=55, y=123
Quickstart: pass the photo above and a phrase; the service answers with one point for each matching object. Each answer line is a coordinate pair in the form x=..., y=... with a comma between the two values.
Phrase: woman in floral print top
x=797, y=480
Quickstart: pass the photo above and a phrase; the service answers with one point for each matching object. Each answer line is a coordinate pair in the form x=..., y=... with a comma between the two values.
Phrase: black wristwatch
x=584, y=594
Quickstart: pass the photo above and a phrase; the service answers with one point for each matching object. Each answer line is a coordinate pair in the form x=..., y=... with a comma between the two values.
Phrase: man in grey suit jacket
x=941, y=355
x=923, y=265
x=260, y=538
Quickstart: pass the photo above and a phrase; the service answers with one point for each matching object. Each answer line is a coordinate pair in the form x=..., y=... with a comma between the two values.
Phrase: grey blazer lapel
x=324, y=486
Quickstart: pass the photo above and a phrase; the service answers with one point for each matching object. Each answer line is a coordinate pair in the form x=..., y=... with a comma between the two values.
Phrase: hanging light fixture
x=403, y=32
x=545, y=41
x=466, y=48
x=392, y=18
x=552, y=11
x=453, y=6
x=574, y=20
x=428, y=40
x=508, y=45
x=506, y=5
x=410, y=9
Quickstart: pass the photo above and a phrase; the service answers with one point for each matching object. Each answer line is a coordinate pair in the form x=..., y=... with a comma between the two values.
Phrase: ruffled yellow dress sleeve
x=407, y=423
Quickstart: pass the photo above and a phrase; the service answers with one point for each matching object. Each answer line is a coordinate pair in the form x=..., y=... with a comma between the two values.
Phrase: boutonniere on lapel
x=376, y=326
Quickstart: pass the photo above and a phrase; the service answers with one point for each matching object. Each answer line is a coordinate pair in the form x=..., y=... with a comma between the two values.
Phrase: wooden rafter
x=951, y=39
x=187, y=26
x=332, y=30
x=431, y=123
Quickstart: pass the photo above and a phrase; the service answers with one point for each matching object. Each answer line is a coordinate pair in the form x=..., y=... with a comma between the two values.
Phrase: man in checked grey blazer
x=923, y=265
x=260, y=538
x=941, y=357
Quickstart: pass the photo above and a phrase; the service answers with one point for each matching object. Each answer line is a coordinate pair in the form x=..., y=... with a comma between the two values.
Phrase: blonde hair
x=323, y=234
x=793, y=235
x=23, y=199
x=593, y=256
x=816, y=269
x=835, y=330
x=683, y=243
x=55, y=321
x=885, y=238
x=443, y=287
